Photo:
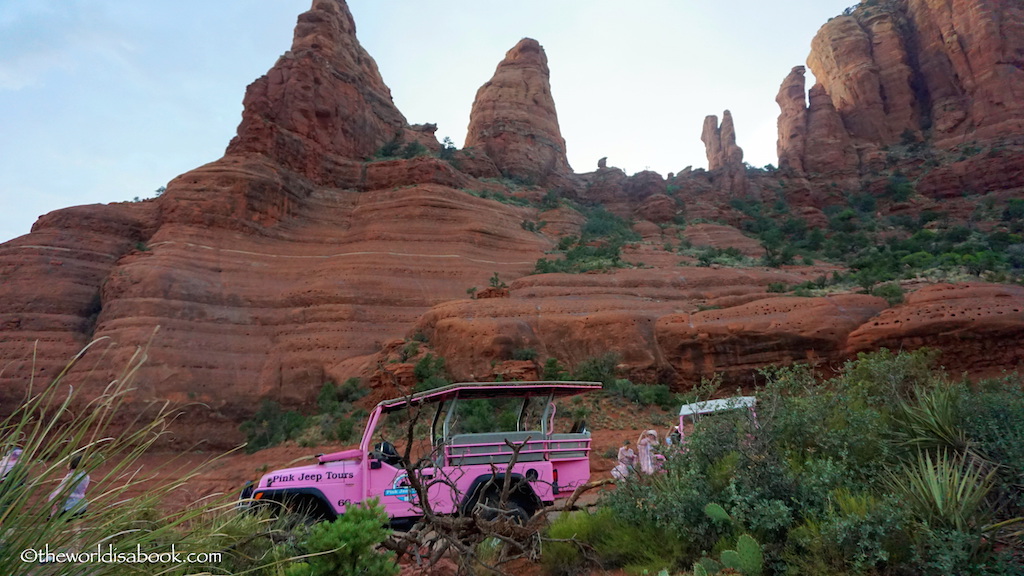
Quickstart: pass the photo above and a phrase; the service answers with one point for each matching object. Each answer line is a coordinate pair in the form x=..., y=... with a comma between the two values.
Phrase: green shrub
x=892, y=292
x=857, y=534
x=430, y=373
x=553, y=370
x=524, y=354
x=819, y=483
x=389, y=150
x=270, y=426
x=642, y=394
x=347, y=546
x=410, y=349
x=412, y=150
x=638, y=548
x=899, y=188
x=598, y=369
x=946, y=491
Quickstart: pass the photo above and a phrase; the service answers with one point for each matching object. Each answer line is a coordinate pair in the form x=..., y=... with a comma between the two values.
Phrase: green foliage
x=551, y=200
x=524, y=354
x=992, y=416
x=931, y=422
x=448, y=150
x=598, y=369
x=642, y=394
x=430, y=373
x=899, y=188
x=746, y=558
x=553, y=370
x=945, y=491
x=270, y=426
x=409, y=350
x=855, y=534
x=347, y=546
x=1014, y=210
x=337, y=418
x=412, y=150
x=892, y=292
x=716, y=512
x=615, y=543
x=599, y=247
x=722, y=256
x=389, y=150
x=884, y=469
x=496, y=282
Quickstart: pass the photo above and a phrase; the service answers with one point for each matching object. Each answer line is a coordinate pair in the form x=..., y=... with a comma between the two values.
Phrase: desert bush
x=271, y=425
x=554, y=370
x=524, y=354
x=892, y=292
x=347, y=546
x=430, y=373
x=582, y=541
x=642, y=394
x=598, y=369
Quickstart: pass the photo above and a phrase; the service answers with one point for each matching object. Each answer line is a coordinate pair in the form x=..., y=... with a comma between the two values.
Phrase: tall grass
x=127, y=507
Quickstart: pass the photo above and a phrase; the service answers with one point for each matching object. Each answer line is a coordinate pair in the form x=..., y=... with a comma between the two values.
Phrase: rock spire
x=513, y=119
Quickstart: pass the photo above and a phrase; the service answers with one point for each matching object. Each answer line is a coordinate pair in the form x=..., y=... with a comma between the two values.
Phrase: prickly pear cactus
x=751, y=560
x=716, y=512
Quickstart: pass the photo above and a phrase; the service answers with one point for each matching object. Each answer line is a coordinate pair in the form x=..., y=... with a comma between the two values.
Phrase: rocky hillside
x=334, y=240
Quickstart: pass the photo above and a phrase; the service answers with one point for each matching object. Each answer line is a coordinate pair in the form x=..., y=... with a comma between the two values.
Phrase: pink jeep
x=457, y=439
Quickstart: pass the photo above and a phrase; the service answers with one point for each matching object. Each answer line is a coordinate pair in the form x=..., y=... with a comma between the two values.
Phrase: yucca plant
x=931, y=421
x=945, y=491
x=127, y=509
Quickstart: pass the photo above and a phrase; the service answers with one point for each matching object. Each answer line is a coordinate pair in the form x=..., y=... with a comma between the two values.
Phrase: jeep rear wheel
x=489, y=508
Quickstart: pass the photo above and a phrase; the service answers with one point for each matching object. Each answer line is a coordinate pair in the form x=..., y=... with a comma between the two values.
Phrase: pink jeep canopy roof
x=473, y=390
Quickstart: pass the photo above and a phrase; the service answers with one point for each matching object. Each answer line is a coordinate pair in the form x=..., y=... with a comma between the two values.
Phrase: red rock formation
x=828, y=148
x=725, y=158
x=792, y=121
x=720, y=142
x=862, y=62
x=970, y=56
x=767, y=331
x=513, y=119
x=322, y=103
x=948, y=71
x=721, y=236
x=977, y=325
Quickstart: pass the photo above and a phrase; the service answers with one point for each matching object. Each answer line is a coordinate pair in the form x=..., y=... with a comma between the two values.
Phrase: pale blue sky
x=106, y=100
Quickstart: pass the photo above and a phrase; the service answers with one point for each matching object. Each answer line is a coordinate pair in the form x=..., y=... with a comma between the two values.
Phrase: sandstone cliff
x=513, y=119
x=901, y=71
